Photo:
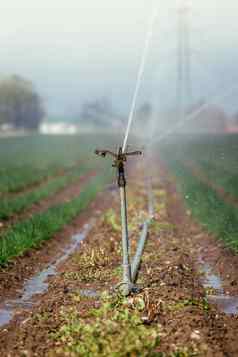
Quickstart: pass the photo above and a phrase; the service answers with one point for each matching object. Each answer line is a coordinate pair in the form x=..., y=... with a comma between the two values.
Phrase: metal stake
x=126, y=283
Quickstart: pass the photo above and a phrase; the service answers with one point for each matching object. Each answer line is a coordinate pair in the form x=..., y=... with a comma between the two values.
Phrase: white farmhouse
x=58, y=128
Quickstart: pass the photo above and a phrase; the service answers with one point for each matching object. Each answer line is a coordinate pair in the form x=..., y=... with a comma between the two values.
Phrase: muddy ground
x=170, y=315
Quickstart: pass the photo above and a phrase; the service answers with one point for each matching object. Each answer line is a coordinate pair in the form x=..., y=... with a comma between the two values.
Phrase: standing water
x=38, y=283
x=225, y=303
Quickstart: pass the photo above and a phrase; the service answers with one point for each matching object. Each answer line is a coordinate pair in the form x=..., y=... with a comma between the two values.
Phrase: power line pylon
x=184, y=86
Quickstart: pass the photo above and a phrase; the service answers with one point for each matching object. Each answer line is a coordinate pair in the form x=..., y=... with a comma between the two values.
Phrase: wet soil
x=12, y=277
x=171, y=280
x=221, y=259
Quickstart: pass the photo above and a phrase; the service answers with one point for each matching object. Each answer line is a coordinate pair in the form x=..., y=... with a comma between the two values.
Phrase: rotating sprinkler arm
x=104, y=153
x=132, y=153
x=119, y=159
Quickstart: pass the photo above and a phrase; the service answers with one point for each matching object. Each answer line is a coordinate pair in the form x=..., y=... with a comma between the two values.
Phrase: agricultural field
x=44, y=183
x=206, y=173
x=61, y=250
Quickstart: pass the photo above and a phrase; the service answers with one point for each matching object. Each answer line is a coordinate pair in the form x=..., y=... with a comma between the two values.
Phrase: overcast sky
x=74, y=50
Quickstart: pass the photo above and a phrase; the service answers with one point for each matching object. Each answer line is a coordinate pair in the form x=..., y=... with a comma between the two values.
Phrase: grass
x=41, y=227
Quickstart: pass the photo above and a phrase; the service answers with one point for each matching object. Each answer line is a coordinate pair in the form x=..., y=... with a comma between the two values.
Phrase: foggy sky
x=75, y=50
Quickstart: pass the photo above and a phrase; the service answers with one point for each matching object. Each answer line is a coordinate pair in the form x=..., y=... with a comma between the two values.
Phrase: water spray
x=141, y=73
x=193, y=115
x=130, y=270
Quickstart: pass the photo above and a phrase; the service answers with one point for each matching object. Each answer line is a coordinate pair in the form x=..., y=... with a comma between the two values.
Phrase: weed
x=117, y=331
x=200, y=303
x=117, y=271
x=111, y=219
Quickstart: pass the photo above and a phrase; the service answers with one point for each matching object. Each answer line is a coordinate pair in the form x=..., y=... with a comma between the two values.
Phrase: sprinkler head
x=118, y=161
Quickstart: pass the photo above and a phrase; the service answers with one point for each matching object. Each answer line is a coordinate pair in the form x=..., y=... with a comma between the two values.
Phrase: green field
x=36, y=168
x=27, y=161
x=215, y=159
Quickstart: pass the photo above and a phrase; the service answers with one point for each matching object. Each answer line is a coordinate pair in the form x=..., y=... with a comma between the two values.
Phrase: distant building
x=212, y=120
x=8, y=130
x=58, y=128
x=232, y=127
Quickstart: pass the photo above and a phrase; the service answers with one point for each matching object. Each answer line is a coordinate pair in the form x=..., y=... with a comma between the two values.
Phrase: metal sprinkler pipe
x=145, y=232
x=126, y=286
x=140, y=248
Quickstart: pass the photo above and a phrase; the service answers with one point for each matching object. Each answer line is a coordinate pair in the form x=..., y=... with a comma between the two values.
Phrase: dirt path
x=169, y=317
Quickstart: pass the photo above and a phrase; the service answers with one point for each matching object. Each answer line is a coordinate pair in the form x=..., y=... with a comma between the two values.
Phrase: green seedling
x=117, y=331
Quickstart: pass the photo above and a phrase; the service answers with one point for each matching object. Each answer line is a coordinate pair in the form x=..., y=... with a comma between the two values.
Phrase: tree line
x=20, y=105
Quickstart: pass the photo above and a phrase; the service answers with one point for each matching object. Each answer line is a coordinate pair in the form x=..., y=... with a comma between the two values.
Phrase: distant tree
x=100, y=112
x=20, y=105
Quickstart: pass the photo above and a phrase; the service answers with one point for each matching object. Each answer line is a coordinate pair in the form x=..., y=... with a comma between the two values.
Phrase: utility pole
x=184, y=87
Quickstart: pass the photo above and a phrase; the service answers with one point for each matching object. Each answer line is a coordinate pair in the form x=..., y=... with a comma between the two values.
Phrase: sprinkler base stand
x=127, y=289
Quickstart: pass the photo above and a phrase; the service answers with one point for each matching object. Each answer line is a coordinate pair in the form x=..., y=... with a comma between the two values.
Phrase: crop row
x=219, y=176
x=32, y=232
x=214, y=157
x=25, y=162
x=15, y=205
x=206, y=206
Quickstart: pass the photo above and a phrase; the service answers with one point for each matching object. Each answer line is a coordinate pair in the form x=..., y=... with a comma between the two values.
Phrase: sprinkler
x=126, y=286
x=119, y=160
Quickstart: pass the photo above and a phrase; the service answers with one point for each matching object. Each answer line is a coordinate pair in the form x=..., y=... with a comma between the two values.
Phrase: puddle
x=89, y=293
x=38, y=284
x=225, y=303
x=5, y=316
x=211, y=280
